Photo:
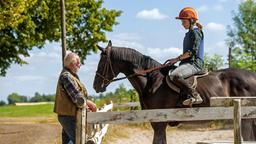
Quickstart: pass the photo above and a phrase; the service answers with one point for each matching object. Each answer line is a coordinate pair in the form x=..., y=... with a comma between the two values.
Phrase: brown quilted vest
x=63, y=103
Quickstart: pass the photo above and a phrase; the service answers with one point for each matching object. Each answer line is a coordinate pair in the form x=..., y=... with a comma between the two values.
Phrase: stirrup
x=192, y=100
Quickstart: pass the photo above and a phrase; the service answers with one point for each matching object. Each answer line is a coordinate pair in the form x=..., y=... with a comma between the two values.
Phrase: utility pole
x=229, y=57
x=63, y=30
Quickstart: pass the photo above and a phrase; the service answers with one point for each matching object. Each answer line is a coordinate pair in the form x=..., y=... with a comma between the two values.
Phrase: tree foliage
x=242, y=37
x=121, y=92
x=213, y=63
x=26, y=24
x=2, y=103
x=120, y=95
x=42, y=98
x=14, y=97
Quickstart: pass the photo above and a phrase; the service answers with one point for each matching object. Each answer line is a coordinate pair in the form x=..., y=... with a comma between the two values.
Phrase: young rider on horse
x=191, y=61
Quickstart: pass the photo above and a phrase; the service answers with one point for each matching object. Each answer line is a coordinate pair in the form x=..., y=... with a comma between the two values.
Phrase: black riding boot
x=195, y=96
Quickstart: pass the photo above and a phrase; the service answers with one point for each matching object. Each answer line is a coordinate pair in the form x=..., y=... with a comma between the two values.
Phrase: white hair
x=69, y=58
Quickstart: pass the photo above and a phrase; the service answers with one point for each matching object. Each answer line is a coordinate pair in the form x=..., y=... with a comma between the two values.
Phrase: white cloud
x=127, y=43
x=222, y=1
x=221, y=44
x=218, y=7
x=29, y=78
x=162, y=54
x=215, y=26
x=219, y=48
x=127, y=36
x=130, y=40
x=153, y=14
x=203, y=8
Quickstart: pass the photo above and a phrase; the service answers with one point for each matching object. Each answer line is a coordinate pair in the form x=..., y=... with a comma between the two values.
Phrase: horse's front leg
x=249, y=129
x=159, y=132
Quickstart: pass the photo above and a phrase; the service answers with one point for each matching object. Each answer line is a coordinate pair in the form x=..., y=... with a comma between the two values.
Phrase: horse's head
x=106, y=70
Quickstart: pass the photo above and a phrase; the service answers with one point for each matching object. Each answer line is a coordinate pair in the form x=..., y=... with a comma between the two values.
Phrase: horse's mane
x=133, y=56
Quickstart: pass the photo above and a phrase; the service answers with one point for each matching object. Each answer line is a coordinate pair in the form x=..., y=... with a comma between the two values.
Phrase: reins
x=108, y=65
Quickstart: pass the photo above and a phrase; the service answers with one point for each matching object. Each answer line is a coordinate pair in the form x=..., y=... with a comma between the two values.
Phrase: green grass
x=27, y=111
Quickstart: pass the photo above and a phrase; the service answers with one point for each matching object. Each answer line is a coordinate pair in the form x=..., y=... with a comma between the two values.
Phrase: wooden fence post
x=237, y=121
x=80, y=126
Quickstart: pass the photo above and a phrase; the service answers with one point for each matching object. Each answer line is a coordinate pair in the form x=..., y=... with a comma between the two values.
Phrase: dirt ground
x=48, y=131
x=174, y=136
x=29, y=131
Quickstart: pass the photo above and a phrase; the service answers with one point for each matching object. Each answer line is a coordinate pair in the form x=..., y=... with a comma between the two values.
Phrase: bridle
x=108, y=66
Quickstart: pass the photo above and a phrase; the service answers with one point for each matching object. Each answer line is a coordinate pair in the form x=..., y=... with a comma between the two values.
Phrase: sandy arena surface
x=48, y=131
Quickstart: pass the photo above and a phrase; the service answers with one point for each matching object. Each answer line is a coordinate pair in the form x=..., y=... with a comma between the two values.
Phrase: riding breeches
x=184, y=71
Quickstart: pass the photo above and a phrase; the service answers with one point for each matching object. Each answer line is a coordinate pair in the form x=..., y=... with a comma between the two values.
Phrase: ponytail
x=199, y=25
x=195, y=23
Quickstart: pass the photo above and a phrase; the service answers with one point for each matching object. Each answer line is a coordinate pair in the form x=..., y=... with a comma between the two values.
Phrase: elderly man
x=70, y=95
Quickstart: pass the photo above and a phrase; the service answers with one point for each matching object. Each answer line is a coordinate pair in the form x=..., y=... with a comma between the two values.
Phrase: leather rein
x=107, y=66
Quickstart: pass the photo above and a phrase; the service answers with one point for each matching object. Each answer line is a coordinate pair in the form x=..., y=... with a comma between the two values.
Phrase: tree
x=121, y=93
x=213, y=63
x=242, y=37
x=26, y=24
x=14, y=97
x=2, y=103
x=42, y=98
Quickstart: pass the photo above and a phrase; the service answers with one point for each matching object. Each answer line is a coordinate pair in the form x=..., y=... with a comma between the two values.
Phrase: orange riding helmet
x=188, y=13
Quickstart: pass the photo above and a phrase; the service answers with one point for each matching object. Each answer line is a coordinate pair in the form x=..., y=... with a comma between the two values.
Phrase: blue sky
x=148, y=26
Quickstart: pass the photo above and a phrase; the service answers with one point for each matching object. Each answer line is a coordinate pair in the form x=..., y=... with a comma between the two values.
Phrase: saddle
x=192, y=80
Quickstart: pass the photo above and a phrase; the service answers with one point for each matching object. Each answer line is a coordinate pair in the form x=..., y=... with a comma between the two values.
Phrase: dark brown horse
x=226, y=82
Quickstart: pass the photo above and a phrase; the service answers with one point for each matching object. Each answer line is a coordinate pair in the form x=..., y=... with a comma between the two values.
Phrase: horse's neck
x=138, y=82
x=128, y=68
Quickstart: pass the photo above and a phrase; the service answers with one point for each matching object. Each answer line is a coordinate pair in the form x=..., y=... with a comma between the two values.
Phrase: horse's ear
x=101, y=49
x=109, y=43
x=109, y=47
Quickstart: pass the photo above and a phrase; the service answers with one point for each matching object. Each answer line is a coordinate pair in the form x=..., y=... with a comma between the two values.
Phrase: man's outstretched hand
x=91, y=106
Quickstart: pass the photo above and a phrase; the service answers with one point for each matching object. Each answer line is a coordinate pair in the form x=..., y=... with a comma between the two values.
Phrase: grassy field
x=27, y=111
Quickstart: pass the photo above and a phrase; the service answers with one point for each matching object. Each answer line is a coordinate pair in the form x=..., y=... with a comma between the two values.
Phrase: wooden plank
x=227, y=142
x=80, y=126
x=237, y=121
x=158, y=115
x=228, y=101
x=128, y=104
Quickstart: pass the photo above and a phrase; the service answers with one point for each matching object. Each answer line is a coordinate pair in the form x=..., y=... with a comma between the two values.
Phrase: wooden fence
x=221, y=112
x=96, y=131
